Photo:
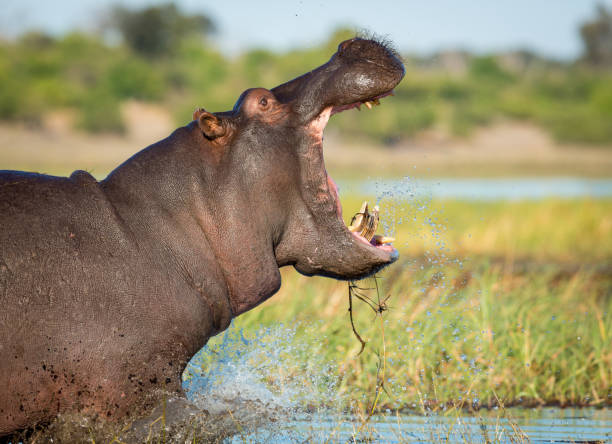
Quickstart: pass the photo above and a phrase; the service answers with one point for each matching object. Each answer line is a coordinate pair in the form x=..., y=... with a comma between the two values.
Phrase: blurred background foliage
x=159, y=54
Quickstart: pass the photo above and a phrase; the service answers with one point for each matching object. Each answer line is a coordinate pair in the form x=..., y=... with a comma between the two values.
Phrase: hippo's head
x=273, y=140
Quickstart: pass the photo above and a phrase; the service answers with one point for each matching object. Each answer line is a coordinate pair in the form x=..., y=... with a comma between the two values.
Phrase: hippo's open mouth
x=364, y=223
x=361, y=72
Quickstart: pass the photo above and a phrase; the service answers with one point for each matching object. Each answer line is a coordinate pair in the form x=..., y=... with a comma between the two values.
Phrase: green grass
x=508, y=300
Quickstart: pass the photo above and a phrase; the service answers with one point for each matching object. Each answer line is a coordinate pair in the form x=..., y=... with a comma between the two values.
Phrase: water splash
x=275, y=371
x=408, y=204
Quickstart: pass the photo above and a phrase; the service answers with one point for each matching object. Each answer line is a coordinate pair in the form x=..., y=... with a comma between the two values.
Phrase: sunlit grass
x=530, y=339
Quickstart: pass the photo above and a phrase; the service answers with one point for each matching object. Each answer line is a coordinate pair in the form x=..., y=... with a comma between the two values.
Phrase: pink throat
x=334, y=190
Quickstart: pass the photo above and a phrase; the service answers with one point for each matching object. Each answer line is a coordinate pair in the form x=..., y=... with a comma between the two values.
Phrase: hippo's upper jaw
x=361, y=71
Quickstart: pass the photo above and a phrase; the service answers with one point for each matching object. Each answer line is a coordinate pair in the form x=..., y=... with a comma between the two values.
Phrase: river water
x=237, y=379
x=546, y=425
x=488, y=189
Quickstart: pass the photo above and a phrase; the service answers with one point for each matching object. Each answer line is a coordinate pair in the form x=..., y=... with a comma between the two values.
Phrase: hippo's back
x=37, y=208
x=53, y=229
x=57, y=237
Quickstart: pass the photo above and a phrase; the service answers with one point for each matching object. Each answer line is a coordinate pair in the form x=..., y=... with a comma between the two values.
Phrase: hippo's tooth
x=354, y=227
x=368, y=104
x=379, y=239
x=365, y=224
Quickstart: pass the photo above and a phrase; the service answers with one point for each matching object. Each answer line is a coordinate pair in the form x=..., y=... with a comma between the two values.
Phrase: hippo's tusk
x=371, y=224
x=379, y=239
x=365, y=223
x=359, y=220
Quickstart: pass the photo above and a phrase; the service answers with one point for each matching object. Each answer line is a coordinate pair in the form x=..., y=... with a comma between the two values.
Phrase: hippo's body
x=107, y=289
x=99, y=308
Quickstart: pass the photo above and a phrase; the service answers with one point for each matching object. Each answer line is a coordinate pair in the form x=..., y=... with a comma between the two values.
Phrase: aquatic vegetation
x=491, y=305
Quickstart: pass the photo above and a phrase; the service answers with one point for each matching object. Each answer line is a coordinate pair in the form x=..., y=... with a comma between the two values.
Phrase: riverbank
x=503, y=149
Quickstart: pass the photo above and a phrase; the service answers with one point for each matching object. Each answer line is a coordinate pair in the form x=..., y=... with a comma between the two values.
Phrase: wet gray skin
x=109, y=288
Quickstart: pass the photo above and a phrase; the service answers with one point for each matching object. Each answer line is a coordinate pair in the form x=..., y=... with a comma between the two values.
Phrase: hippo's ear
x=211, y=125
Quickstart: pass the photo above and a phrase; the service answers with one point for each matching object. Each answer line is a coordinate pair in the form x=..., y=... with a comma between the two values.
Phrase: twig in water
x=351, y=287
x=379, y=306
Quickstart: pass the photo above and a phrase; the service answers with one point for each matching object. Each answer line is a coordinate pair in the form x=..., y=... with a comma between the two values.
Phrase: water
x=548, y=425
x=493, y=188
x=272, y=368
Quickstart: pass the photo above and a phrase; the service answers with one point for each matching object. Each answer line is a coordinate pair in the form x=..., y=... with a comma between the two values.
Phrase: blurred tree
x=487, y=68
x=597, y=38
x=37, y=40
x=156, y=30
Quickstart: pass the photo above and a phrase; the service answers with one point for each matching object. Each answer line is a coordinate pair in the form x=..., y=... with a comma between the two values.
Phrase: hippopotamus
x=108, y=288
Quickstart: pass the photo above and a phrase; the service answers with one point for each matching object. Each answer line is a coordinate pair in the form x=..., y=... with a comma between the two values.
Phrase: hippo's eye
x=263, y=102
